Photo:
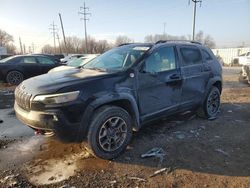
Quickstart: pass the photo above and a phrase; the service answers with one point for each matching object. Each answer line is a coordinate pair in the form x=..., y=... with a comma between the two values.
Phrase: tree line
x=77, y=45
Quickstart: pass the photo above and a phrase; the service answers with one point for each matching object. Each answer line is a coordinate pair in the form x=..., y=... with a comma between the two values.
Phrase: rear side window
x=28, y=60
x=191, y=56
x=44, y=60
x=162, y=59
x=206, y=55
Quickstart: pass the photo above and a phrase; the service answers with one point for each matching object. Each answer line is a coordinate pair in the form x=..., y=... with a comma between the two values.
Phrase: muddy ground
x=196, y=152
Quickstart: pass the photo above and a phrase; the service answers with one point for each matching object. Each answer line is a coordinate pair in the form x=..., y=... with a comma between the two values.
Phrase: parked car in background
x=15, y=69
x=75, y=62
x=59, y=56
x=5, y=56
x=56, y=57
x=245, y=73
x=70, y=57
x=242, y=59
x=120, y=91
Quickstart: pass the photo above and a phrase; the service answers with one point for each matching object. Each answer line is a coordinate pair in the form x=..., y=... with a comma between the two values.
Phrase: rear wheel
x=14, y=77
x=211, y=105
x=110, y=132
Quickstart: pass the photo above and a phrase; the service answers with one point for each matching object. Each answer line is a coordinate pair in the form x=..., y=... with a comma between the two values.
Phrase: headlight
x=57, y=98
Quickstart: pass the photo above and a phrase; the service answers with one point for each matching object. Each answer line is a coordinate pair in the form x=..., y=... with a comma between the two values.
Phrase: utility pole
x=53, y=28
x=194, y=15
x=24, y=49
x=33, y=47
x=21, y=46
x=58, y=39
x=65, y=45
x=85, y=12
x=164, y=28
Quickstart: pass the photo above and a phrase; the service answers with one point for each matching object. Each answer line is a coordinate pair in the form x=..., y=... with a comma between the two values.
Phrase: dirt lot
x=196, y=152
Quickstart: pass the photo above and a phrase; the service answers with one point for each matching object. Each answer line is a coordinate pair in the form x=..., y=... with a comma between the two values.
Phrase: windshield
x=117, y=59
x=6, y=59
x=75, y=62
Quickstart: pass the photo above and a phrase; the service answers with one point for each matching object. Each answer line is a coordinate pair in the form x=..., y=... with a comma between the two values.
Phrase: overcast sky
x=227, y=21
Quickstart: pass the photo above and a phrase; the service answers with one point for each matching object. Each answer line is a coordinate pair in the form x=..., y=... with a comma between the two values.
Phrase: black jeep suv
x=120, y=91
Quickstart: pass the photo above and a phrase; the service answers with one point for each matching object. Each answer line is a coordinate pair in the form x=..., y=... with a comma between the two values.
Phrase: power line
x=194, y=14
x=85, y=12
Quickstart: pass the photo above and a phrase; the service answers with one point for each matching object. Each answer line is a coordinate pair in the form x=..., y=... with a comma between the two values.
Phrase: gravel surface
x=195, y=152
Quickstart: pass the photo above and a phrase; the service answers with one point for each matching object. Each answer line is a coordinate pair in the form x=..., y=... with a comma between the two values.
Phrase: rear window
x=191, y=56
x=45, y=60
x=206, y=55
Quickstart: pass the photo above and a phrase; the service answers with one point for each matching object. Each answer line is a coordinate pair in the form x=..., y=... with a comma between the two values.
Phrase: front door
x=159, y=83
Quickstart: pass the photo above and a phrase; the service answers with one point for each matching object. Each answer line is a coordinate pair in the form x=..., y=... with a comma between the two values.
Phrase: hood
x=53, y=81
x=60, y=68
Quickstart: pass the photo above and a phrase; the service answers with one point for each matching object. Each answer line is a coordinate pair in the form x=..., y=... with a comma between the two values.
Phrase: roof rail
x=125, y=44
x=190, y=41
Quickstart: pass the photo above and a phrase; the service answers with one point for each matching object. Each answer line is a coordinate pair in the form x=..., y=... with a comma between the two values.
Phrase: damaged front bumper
x=47, y=121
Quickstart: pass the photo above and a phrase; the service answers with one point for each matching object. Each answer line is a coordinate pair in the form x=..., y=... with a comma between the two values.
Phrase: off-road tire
x=98, y=122
x=204, y=111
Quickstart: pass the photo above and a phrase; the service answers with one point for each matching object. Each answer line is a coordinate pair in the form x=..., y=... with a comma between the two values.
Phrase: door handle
x=207, y=68
x=175, y=77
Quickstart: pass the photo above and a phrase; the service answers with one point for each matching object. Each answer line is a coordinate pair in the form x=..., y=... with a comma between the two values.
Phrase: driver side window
x=160, y=60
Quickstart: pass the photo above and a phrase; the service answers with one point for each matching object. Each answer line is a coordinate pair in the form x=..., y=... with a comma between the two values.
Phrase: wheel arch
x=218, y=84
x=125, y=101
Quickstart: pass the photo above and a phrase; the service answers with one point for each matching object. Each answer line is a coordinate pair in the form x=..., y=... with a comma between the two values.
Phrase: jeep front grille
x=22, y=98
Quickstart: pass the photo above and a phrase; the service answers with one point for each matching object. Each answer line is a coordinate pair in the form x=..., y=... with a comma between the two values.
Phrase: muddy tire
x=211, y=105
x=14, y=77
x=110, y=132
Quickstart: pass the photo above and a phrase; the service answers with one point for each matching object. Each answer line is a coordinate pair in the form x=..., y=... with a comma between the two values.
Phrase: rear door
x=195, y=75
x=29, y=66
x=159, y=83
x=46, y=64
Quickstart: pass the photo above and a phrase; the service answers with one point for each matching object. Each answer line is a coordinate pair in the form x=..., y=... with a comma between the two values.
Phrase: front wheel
x=211, y=105
x=110, y=132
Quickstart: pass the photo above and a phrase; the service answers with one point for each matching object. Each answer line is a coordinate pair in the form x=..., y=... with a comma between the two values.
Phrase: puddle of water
x=45, y=172
x=46, y=161
x=51, y=171
x=20, y=152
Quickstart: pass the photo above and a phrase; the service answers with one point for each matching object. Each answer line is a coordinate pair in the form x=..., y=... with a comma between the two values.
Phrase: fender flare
x=107, y=99
x=210, y=83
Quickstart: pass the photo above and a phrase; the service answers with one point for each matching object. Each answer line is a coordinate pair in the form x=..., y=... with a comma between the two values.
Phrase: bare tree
x=74, y=44
x=123, y=39
x=207, y=40
x=199, y=37
x=102, y=46
x=6, y=40
x=158, y=37
x=48, y=49
x=11, y=48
